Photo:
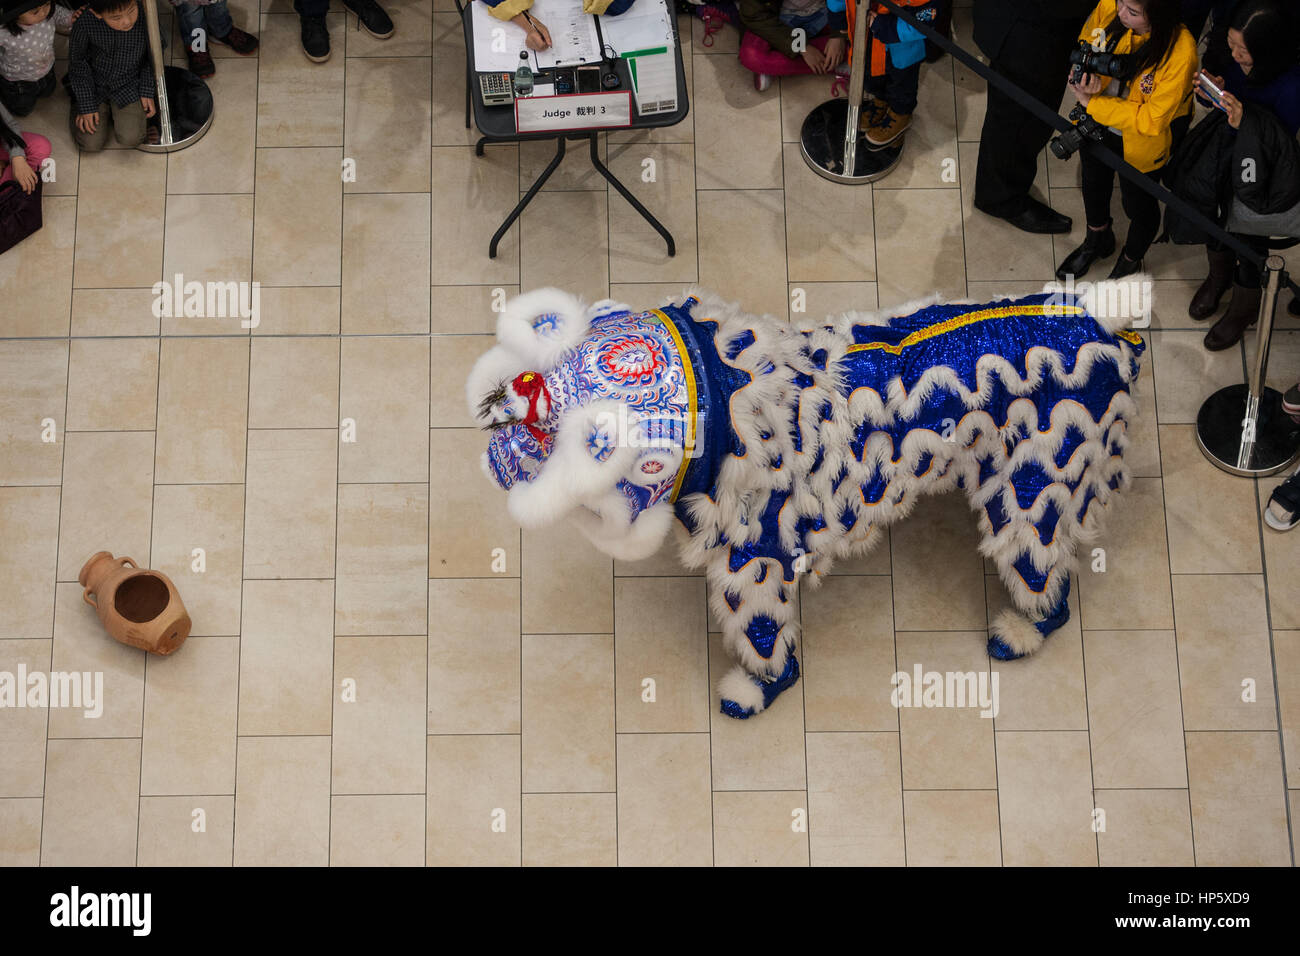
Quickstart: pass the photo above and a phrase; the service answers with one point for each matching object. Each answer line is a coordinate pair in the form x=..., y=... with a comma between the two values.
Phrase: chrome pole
x=1242, y=428
x=183, y=122
x=830, y=140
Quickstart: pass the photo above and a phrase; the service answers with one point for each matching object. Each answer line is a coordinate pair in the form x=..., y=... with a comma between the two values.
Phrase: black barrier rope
x=1117, y=163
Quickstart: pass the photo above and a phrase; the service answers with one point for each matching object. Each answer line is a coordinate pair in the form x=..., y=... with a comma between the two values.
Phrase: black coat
x=1258, y=165
x=995, y=18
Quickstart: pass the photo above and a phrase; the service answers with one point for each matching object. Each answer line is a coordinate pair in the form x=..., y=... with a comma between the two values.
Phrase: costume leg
x=756, y=605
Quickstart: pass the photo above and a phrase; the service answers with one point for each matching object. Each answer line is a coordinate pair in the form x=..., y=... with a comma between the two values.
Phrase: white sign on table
x=544, y=114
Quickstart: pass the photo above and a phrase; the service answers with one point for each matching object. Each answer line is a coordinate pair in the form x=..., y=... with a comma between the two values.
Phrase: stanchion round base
x=190, y=104
x=1219, y=432
x=822, y=143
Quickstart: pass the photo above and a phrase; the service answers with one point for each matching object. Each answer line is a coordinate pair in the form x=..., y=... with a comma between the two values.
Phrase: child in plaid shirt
x=110, y=75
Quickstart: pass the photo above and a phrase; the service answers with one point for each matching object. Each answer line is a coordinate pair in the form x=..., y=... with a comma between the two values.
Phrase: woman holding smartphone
x=1259, y=68
x=1141, y=109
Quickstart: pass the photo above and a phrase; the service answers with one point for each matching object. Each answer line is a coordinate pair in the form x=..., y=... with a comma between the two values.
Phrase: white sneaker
x=762, y=81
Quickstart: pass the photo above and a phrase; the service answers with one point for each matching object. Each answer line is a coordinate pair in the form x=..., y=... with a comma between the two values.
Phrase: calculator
x=498, y=89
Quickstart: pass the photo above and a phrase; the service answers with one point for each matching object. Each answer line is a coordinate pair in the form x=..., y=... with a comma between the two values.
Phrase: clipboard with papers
x=577, y=38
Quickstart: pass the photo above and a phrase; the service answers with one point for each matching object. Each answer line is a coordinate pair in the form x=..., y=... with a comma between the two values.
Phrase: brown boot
x=1206, y=301
x=1243, y=311
x=871, y=113
x=890, y=126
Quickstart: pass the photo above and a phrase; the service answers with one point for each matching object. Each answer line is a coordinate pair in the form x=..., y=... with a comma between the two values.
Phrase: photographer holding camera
x=1136, y=113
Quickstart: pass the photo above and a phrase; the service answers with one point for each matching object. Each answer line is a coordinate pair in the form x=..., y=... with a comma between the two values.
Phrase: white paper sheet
x=573, y=33
x=495, y=52
x=644, y=27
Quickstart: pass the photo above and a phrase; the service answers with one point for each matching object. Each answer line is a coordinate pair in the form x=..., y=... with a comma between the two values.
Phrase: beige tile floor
x=498, y=713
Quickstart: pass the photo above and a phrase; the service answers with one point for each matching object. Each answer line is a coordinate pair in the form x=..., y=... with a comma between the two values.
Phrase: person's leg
x=217, y=18
x=1222, y=262
x=129, y=124
x=1098, y=181
x=757, y=56
x=91, y=142
x=1011, y=140
x=189, y=19
x=46, y=84
x=18, y=97
x=38, y=150
x=1243, y=307
x=901, y=88
x=372, y=17
x=315, y=35
x=1098, y=187
x=222, y=29
x=1143, y=211
x=899, y=95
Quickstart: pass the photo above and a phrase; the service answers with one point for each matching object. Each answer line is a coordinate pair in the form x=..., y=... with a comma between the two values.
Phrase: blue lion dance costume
x=780, y=450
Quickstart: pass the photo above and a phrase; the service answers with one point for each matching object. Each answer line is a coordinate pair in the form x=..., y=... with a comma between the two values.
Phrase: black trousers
x=1142, y=209
x=1036, y=57
x=19, y=96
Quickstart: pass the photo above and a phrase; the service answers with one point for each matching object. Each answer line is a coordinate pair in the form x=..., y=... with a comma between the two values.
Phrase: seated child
x=209, y=20
x=790, y=37
x=897, y=51
x=27, y=51
x=21, y=154
x=110, y=75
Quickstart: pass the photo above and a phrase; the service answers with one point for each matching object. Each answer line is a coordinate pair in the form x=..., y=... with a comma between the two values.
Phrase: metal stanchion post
x=829, y=139
x=1242, y=428
x=184, y=101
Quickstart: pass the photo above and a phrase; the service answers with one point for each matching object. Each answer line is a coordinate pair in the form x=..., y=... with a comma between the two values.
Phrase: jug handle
x=85, y=596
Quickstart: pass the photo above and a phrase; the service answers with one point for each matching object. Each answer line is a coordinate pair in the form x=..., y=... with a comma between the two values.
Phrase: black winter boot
x=1206, y=301
x=1243, y=312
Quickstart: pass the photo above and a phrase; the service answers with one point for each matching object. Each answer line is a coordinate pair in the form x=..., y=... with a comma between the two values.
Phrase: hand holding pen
x=538, y=37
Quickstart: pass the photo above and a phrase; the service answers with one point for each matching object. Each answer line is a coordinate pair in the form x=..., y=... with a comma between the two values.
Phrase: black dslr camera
x=1085, y=127
x=1087, y=60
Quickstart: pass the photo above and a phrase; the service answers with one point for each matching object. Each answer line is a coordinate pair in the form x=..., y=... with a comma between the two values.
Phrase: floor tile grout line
x=58, y=540
x=338, y=475
x=1272, y=653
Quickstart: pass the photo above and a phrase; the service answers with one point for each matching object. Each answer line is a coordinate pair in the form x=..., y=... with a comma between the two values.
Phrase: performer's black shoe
x=1037, y=217
x=1099, y=244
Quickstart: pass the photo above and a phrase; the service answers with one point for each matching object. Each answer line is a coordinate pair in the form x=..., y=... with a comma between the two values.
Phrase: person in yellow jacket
x=1144, y=110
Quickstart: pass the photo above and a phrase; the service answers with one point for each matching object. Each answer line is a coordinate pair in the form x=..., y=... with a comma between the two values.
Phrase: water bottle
x=523, y=76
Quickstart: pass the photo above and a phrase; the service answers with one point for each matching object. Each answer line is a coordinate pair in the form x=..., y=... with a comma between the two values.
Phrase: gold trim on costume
x=963, y=320
x=689, y=447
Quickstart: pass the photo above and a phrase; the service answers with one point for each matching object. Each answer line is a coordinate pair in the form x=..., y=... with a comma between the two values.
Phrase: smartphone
x=588, y=79
x=1211, y=90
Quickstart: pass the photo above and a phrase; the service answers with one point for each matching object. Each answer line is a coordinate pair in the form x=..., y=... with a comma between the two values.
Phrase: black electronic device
x=588, y=79
x=1085, y=127
x=1096, y=63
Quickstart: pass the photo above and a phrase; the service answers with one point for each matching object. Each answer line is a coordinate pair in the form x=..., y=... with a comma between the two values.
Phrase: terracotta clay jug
x=137, y=606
